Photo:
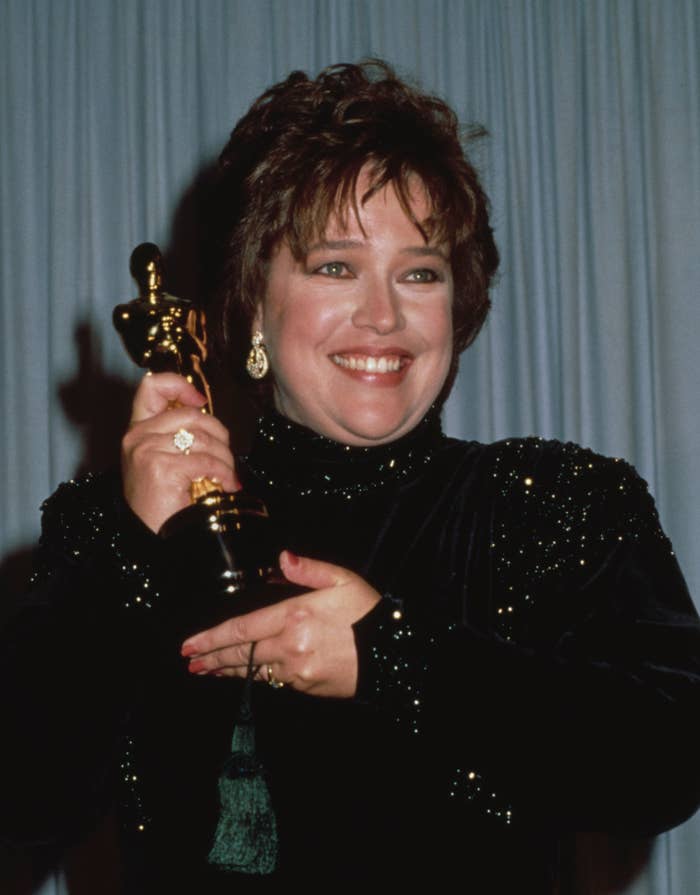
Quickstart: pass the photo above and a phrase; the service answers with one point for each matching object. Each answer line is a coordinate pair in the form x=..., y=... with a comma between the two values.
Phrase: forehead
x=386, y=207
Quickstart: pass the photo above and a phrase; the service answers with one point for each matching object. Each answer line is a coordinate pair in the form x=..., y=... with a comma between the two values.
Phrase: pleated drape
x=112, y=110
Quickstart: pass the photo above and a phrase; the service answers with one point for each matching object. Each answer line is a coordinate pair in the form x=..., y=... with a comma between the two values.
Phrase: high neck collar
x=288, y=456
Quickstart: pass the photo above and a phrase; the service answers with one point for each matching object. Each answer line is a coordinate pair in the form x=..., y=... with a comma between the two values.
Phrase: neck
x=293, y=458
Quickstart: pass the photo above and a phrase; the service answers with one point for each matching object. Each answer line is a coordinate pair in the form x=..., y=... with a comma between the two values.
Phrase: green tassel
x=246, y=835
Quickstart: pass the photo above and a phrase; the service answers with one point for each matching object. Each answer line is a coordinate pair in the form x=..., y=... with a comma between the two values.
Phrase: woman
x=493, y=645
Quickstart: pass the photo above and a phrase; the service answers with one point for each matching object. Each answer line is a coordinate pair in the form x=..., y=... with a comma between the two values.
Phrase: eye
x=336, y=269
x=423, y=275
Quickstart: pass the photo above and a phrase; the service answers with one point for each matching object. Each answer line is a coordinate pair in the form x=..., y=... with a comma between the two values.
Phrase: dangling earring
x=257, y=364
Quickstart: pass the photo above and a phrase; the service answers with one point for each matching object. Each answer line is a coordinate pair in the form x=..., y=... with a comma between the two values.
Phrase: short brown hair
x=296, y=156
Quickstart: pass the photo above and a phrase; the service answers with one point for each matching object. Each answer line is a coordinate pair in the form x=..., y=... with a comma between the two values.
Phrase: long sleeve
x=559, y=679
x=68, y=657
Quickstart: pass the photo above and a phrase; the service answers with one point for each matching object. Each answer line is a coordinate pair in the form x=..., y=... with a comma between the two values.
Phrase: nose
x=379, y=308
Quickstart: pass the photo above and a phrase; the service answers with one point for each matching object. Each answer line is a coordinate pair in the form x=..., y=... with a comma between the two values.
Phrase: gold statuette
x=230, y=535
x=164, y=334
x=160, y=332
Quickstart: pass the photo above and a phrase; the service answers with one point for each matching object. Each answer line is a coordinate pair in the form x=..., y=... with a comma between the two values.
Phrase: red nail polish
x=195, y=666
x=292, y=558
x=187, y=650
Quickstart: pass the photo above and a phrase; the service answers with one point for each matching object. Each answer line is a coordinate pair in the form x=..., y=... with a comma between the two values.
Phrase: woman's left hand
x=307, y=641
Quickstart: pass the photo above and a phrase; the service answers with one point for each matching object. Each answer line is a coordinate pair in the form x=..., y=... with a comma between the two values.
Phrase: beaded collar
x=297, y=460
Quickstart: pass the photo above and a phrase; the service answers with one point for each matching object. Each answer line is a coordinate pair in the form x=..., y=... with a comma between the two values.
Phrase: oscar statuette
x=223, y=545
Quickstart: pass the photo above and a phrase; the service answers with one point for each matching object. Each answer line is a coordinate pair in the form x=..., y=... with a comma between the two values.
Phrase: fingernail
x=292, y=558
x=187, y=650
x=196, y=666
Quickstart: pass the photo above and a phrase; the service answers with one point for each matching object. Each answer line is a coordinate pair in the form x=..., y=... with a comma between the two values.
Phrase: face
x=359, y=332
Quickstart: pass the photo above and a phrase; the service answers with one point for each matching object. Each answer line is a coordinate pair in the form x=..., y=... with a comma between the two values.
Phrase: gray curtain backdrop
x=111, y=110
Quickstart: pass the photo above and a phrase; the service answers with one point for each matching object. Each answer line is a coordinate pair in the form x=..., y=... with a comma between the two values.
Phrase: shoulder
x=87, y=490
x=557, y=480
x=559, y=515
x=81, y=511
x=559, y=524
x=551, y=515
x=88, y=519
x=570, y=484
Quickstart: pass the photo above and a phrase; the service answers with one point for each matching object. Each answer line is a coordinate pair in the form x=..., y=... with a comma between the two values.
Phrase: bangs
x=310, y=153
x=333, y=194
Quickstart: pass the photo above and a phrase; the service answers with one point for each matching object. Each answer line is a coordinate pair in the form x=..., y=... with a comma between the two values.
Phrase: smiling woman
x=359, y=331
x=492, y=645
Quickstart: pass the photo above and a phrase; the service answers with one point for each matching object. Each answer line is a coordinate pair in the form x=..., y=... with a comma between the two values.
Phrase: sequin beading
x=560, y=510
x=88, y=515
x=314, y=466
x=557, y=513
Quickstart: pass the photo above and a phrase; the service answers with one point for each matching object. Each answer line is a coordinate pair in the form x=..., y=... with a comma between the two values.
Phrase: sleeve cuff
x=392, y=662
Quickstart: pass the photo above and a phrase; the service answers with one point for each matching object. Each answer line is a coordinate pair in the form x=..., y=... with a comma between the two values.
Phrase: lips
x=372, y=361
x=385, y=363
x=373, y=368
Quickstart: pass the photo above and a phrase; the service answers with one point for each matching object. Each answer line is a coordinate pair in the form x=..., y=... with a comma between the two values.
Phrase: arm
x=66, y=674
x=579, y=706
x=80, y=650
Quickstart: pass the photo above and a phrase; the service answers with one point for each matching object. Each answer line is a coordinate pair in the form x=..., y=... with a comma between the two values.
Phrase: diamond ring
x=183, y=440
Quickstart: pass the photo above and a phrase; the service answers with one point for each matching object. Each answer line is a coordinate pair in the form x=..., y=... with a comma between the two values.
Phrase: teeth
x=384, y=364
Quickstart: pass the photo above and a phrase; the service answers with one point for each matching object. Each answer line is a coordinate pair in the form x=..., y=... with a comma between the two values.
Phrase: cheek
x=301, y=326
x=441, y=335
x=438, y=329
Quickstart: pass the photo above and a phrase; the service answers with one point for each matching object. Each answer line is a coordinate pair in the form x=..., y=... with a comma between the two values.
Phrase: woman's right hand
x=156, y=474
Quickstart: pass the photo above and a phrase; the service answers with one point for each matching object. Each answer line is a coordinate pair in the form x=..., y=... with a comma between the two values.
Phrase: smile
x=389, y=363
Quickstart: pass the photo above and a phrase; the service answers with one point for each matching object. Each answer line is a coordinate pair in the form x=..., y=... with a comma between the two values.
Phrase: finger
x=159, y=391
x=272, y=674
x=267, y=673
x=201, y=443
x=150, y=445
x=231, y=658
x=240, y=631
x=146, y=447
x=171, y=419
x=140, y=442
x=312, y=573
x=234, y=661
x=181, y=471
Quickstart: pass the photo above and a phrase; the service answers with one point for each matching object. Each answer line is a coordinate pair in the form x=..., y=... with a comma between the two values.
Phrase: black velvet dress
x=532, y=669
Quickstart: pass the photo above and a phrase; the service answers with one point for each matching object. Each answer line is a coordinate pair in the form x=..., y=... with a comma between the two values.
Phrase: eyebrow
x=339, y=244
x=334, y=244
x=425, y=251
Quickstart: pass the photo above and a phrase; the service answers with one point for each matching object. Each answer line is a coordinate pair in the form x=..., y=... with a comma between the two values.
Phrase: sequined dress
x=533, y=668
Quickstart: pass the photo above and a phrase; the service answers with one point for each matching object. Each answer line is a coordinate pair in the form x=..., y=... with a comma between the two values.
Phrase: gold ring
x=272, y=680
x=183, y=440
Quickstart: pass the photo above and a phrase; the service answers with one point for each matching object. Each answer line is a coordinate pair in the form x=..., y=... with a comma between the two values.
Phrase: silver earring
x=258, y=363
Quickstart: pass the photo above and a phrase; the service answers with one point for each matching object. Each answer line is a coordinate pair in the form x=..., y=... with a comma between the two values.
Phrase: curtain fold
x=111, y=112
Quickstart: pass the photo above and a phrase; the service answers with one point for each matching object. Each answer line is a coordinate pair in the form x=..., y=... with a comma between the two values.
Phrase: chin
x=357, y=423
x=373, y=428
